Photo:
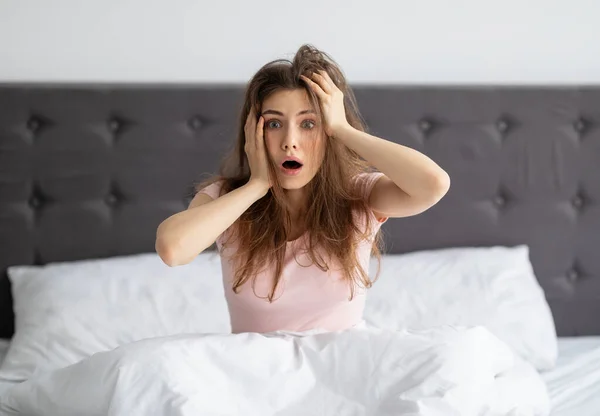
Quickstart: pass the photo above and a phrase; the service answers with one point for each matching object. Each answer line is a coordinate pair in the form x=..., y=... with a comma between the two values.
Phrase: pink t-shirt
x=306, y=298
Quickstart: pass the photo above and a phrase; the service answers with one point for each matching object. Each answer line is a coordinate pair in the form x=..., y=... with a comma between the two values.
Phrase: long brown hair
x=337, y=208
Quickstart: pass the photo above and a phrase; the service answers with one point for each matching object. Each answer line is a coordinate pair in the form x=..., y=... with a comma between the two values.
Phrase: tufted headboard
x=89, y=171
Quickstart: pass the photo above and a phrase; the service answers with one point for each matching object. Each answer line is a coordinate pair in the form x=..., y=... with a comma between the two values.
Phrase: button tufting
x=195, y=123
x=425, y=125
x=114, y=125
x=502, y=126
x=499, y=200
x=579, y=125
x=35, y=202
x=34, y=124
x=111, y=199
x=577, y=201
x=572, y=275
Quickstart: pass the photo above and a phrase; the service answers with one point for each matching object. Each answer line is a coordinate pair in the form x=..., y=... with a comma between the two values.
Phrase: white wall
x=376, y=41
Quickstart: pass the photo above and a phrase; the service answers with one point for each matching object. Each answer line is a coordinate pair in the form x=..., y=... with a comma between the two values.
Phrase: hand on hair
x=331, y=99
x=255, y=149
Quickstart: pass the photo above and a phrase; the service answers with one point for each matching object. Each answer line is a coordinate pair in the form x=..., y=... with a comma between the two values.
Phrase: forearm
x=412, y=171
x=182, y=236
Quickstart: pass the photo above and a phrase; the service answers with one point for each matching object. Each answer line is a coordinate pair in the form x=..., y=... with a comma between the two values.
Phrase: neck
x=297, y=200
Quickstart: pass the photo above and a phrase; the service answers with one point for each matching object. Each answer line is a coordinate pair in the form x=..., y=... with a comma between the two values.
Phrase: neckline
x=297, y=239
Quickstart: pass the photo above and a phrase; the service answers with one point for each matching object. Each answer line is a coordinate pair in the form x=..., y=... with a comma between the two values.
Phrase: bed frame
x=89, y=171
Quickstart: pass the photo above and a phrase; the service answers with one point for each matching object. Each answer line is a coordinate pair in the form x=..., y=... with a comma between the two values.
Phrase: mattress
x=574, y=384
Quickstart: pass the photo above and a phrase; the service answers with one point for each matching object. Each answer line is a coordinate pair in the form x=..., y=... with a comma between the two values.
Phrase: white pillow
x=490, y=286
x=68, y=311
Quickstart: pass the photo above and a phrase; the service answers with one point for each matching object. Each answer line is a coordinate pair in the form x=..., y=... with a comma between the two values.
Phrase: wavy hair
x=337, y=208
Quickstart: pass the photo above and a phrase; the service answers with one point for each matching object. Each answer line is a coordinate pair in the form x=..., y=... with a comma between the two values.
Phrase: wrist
x=340, y=131
x=260, y=188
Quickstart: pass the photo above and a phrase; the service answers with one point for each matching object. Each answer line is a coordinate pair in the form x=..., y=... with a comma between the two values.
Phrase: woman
x=297, y=209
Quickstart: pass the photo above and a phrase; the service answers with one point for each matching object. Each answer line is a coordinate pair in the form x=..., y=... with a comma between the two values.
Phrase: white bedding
x=440, y=371
x=574, y=385
x=71, y=310
x=62, y=321
x=4, y=385
x=4, y=344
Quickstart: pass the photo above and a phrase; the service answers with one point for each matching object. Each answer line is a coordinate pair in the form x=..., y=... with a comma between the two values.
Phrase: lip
x=291, y=172
x=294, y=158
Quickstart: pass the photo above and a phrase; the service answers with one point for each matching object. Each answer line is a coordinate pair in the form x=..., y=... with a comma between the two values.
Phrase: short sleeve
x=366, y=182
x=213, y=190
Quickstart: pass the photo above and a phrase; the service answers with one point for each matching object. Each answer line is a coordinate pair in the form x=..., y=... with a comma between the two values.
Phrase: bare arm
x=412, y=182
x=182, y=236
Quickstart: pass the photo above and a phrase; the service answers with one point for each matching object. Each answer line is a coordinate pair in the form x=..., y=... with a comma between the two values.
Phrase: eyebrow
x=279, y=113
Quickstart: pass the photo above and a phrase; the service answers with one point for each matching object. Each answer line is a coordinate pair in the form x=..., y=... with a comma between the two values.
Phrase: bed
x=573, y=384
x=112, y=161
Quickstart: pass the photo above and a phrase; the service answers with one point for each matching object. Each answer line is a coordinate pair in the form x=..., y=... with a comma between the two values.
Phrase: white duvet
x=440, y=371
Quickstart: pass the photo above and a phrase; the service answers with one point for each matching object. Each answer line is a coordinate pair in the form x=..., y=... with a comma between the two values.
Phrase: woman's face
x=294, y=137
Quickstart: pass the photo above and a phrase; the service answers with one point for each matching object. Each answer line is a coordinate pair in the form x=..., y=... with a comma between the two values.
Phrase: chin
x=293, y=183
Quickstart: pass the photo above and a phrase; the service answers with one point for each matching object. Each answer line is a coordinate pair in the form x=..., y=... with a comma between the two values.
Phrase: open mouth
x=291, y=167
x=291, y=164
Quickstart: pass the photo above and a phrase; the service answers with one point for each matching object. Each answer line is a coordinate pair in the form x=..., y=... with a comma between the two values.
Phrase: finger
x=323, y=82
x=260, y=132
x=251, y=119
x=330, y=80
x=315, y=87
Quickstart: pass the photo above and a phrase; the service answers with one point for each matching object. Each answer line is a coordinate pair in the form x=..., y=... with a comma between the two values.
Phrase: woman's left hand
x=332, y=101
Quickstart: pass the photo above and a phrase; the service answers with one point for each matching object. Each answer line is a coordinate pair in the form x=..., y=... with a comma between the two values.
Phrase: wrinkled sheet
x=574, y=384
x=439, y=371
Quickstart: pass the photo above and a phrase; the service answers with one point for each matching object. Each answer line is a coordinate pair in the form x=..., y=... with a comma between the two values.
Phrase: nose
x=290, y=140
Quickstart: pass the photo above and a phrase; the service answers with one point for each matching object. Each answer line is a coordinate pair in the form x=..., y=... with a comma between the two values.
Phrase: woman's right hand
x=255, y=150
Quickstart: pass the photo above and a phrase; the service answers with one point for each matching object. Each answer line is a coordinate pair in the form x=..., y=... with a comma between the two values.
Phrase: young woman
x=297, y=208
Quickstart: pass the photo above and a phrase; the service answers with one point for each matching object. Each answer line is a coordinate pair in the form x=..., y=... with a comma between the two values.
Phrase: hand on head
x=255, y=149
x=331, y=99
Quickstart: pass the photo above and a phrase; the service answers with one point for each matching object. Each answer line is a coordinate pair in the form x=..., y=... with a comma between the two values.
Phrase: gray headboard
x=90, y=170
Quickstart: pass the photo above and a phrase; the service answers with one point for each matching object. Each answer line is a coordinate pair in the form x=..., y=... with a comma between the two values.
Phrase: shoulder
x=213, y=189
x=365, y=182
